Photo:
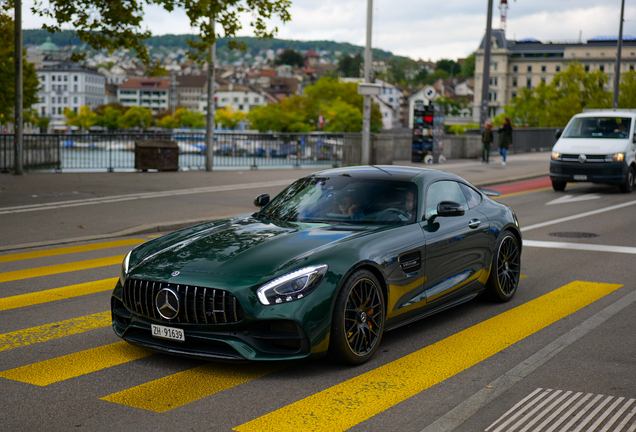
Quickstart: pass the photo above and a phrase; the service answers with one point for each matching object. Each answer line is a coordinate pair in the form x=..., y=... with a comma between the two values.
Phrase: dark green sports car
x=327, y=266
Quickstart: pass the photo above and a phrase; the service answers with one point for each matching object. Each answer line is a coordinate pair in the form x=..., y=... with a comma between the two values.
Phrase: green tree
x=450, y=66
x=290, y=57
x=109, y=118
x=135, y=117
x=286, y=116
x=468, y=67
x=403, y=71
x=118, y=23
x=229, y=117
x=167, y=122
x=437, y=75
x=84, y=119
x=350, y=66
x=340, y=116
x=31, y=83
x=189, y=119
x=627, y=90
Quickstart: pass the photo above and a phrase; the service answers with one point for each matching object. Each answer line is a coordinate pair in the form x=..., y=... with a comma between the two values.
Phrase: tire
x=357, y=324
x=629, y=181
x=506, y=269
x=558, y=186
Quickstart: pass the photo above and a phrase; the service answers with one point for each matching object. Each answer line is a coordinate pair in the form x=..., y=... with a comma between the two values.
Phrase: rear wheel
x=506, y=269
x=629, y=181
x=358, y=320
x=558, y=186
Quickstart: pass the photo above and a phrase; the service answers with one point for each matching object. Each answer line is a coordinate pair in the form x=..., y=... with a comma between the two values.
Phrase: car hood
x=596, y=146
x=245, y=247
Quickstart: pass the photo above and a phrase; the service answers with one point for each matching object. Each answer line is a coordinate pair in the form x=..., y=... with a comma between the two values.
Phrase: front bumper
x=273, y=333
x=595, y=172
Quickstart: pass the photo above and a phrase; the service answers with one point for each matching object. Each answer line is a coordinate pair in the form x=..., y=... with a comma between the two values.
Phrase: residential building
x=145, y=92
x=115, y=75
x=240, y=98
x=393, y=97
x=191, y=91
x=68, y=85
x=528, y=62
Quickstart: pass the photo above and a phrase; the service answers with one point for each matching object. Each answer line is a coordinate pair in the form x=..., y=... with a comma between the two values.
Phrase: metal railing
x=116, y=151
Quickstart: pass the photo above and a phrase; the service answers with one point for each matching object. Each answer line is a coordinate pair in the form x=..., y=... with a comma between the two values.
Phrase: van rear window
x=599, y=127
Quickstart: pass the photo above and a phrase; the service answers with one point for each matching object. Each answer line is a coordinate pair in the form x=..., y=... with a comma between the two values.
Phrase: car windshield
x=599, y=127
x=344, y=200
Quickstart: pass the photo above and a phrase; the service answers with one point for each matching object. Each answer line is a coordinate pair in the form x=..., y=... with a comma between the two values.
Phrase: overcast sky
x=423, y=28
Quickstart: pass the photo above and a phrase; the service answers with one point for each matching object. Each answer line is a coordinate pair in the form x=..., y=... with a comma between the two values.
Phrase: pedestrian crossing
x=335, y=407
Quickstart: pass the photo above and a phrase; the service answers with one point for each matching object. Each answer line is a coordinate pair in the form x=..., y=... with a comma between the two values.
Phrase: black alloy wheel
x=358, y=320
x=506, y=269
x=629, y=181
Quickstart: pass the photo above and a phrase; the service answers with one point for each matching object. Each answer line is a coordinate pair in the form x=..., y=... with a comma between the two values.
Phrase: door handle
x=474, y=223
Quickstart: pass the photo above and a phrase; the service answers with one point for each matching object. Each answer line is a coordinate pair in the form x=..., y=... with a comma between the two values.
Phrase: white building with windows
x=240, y=98
x=68, y=85
x=145, y=92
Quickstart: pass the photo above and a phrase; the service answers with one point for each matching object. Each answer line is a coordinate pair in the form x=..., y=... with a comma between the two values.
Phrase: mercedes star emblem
x=582, y=158
x=175, y=273
x=167, y=303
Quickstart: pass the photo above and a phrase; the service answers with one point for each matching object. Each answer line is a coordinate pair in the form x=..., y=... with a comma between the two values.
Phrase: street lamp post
x=209, y=127
x=18, y=89
x=617, y=69
x=485, y=81
x=366, y=106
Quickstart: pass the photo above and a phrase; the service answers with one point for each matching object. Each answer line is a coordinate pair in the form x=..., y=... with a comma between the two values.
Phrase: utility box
x=162, y=155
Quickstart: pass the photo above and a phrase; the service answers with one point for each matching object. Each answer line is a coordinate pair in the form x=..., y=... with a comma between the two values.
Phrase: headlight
x=556, y=156
x=292, y=286
x=124, y=269
x=616, y=157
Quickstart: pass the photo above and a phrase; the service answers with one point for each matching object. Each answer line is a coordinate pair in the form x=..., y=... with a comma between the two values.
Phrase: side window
x=472, y=196
x=445, y=190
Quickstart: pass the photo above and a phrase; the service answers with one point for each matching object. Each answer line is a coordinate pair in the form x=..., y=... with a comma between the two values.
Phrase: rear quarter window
x=472, y=196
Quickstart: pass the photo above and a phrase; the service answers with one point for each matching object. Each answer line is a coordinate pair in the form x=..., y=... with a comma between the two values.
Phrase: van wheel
x=558, y=186
x=629, y=181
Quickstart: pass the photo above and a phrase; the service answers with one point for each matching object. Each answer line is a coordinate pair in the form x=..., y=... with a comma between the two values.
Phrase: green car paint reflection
x=310, y=274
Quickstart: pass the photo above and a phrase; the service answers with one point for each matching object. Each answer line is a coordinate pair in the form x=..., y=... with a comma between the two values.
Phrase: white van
x=598, y=147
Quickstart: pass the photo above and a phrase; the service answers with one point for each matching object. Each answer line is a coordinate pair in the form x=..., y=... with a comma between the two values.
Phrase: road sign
x=430, y=92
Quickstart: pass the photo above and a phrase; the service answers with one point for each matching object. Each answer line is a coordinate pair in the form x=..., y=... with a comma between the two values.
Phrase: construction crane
x=503, y=7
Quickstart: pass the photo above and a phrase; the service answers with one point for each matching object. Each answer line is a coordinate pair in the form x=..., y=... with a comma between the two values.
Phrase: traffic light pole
x=485, y=81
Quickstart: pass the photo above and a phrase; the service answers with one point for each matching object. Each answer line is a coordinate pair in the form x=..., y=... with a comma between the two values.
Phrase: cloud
x=416, y=28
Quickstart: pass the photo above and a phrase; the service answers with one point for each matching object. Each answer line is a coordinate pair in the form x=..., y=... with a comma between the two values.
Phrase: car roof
x=387, y=172
x=607, y=113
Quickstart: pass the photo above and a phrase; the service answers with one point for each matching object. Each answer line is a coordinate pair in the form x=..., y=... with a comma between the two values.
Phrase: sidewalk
x=39, y=209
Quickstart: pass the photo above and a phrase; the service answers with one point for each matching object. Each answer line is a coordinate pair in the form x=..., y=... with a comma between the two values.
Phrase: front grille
x=589, y=158
x=592, y=170
x=198, y=305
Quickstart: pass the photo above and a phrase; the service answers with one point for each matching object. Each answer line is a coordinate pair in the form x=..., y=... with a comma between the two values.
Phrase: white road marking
x=131, y=197
x=571, y=198
x=577, y=216
x=579, y=246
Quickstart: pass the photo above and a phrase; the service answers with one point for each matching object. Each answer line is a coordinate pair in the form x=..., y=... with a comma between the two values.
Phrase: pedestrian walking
x=505, y=138
x=486, y=141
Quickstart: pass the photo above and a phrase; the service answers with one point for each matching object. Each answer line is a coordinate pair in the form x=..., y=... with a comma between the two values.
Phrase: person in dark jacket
x=505, y=138
x=486, y=141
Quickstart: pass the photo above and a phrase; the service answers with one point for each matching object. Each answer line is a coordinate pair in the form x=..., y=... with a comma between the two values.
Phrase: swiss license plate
x=580, y=177
x=171, y=333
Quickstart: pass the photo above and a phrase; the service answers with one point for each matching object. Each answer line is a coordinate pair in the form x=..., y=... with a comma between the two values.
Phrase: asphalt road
x=572, y=355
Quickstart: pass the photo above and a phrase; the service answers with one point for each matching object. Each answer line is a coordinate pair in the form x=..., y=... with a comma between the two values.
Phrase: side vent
x=411, y=262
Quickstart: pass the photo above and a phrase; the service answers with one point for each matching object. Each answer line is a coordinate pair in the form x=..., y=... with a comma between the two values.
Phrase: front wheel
x=629, y=181
x=506, y=269
x=358, y=320
x=558, y=186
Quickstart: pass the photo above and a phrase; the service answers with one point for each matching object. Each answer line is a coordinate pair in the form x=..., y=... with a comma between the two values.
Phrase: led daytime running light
x=311, y=273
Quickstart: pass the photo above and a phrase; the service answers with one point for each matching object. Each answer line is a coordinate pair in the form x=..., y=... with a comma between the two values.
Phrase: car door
x=455, y=245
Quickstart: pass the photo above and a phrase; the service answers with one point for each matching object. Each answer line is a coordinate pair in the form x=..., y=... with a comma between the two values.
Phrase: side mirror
x=558, y=133
x=261, y=200
x=447, y=208
x=634, y=139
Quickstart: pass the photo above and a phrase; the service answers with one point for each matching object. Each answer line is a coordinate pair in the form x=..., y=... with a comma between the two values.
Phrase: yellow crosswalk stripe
x=68, y=250
x=188, y=386
x=60, y=268
x=54, y=330
x=349, y=403
x=73, y=365
x=56, y=294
